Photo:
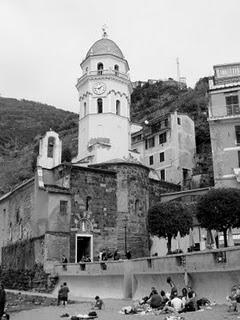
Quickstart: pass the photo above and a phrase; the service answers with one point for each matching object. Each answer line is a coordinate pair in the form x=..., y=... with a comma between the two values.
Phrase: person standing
x=64, y=262
x=2, y=299
x=65, y=291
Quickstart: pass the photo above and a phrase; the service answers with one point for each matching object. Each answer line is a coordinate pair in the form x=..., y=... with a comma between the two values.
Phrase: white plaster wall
x=218, y=102
x=43, y=160
x=110, y=126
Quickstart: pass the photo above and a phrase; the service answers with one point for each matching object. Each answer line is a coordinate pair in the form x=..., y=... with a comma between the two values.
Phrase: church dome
x=105, y=46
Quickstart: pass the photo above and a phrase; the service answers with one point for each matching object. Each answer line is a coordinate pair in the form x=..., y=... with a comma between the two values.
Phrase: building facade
x=167, y=144
x=101, y=199
x=224, y=122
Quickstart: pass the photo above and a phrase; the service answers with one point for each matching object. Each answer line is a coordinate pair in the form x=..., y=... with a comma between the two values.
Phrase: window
x=116, y=69
x=100, y=105
x=156, y=127
x=146, y=144
x=238, y=159
x=137, y=138
x=51, y=142
x=10, y=231
x=162, y=174
x=151, y=142
x=163, y=138
x=151, y=160
x=166, y=122
x=63, y=207
x=237, y=132
x=232, y=105
x=85, y=109
x=161, y=156
x=88, y=201
x=118, y=107
x=179, y=121
x=185, y=176
x=100, y=68
x=17, y=215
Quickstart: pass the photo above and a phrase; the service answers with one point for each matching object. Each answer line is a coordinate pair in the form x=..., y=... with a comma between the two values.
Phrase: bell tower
x=104, y=96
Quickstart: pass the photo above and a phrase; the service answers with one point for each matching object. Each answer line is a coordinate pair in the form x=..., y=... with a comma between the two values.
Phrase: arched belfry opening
x=116, y=69
x=50, y=147
x=50, y=150
x=100, y=68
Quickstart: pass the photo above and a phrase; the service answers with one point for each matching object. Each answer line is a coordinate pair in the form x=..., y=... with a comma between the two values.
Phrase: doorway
x=84, y=247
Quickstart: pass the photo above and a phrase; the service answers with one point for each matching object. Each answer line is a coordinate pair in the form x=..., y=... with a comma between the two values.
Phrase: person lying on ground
x=98, y=304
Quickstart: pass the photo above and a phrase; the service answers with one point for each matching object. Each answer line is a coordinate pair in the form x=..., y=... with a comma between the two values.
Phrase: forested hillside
x=22, y=122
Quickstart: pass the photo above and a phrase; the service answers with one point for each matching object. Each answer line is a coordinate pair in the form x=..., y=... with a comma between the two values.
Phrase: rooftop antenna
x=104, y=30
x=178, y=70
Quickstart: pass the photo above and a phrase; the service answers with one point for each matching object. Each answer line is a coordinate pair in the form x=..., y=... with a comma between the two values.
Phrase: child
x=98, y=303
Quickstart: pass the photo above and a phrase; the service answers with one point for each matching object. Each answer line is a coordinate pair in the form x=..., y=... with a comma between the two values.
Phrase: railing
x=105, y=73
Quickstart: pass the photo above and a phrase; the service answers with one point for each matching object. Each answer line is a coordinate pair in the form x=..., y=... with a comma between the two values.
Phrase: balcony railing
x=109, y=72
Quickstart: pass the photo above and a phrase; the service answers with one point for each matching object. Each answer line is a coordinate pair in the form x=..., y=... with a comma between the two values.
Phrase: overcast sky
x=44, y=41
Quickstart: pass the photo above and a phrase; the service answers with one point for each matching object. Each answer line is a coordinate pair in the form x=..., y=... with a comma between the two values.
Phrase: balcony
x=99, y=73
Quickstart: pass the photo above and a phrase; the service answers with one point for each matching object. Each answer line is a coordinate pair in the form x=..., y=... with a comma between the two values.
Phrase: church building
x=101, y=199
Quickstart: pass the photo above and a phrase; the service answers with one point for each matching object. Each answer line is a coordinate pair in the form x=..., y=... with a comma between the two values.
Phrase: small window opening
x=151, y=160
x=100, y=105
x=63, y=207
x=88, y=201
x=100, y=68
x=118, y=107
x=116, y=69
x=85, y=108
x=51, y=142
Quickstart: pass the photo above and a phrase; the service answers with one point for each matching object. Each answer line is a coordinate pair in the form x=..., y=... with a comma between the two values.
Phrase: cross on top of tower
x=104, y=29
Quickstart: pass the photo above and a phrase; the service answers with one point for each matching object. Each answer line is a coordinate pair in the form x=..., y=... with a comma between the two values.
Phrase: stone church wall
x=132, y=206
x=156, y=188
x=94, y=197
x=23, y=255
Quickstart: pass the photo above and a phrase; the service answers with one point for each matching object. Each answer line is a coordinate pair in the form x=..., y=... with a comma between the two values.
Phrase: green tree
x=166, y=219
x=219, y=209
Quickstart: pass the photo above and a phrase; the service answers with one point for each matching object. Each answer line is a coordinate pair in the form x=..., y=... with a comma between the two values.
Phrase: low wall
x=211, y=273
x=91, y=279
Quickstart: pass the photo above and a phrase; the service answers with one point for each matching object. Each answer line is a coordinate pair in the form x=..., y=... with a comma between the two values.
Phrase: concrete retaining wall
x=211, y=274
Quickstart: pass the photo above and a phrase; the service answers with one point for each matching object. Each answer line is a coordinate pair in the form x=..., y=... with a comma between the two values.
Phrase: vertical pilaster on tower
x=50, y=150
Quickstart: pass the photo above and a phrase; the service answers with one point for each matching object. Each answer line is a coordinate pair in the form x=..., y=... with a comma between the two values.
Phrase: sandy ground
x=111, y=312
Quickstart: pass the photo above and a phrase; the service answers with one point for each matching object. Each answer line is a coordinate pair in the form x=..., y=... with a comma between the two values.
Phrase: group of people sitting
x=173, y=302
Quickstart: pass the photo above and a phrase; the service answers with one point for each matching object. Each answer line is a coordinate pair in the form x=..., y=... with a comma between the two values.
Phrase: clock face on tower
x=99, y=88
